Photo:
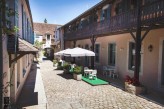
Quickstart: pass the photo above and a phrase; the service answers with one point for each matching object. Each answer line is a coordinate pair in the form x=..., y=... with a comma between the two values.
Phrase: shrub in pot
x=66, y=67
x=59, y=67
x=55, y=63
x=77, y=74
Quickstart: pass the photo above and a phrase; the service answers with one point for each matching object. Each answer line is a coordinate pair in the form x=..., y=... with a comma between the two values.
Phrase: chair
x=115, y=74
x=105, y=70
x=85, y=73
x=93, y=74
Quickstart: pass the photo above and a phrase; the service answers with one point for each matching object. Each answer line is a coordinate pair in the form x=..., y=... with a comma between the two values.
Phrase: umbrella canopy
x=61, y=53
x=76, y=52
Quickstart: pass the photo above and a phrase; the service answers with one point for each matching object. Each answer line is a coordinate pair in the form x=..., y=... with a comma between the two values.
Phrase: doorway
x=162, y=68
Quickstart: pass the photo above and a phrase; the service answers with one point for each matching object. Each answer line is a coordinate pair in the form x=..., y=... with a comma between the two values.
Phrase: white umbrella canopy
x=61, y=53
x=77, y=52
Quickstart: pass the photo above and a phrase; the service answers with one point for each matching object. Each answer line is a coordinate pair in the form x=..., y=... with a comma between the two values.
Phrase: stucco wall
x=150, y=60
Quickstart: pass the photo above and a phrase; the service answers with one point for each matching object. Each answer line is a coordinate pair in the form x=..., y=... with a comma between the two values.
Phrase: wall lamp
x=150, y=48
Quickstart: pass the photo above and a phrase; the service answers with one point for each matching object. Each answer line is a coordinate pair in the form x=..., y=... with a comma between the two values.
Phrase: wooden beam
x=15, y=59
x=133, y=36
x=18, y=57
x=146, y=33
x=93, y=40
x=138, y=42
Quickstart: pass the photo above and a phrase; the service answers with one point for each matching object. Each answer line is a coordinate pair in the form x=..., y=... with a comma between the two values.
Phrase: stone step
x=41, y=106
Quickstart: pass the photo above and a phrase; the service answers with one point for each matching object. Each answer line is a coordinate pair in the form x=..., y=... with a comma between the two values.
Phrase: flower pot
x=134, y=89
x=55, y=65
x=77, y=76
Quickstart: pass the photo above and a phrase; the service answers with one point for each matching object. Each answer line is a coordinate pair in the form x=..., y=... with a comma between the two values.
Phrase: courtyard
x=63, y=92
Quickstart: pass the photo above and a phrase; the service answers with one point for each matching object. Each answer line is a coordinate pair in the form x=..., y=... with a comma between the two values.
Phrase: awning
x=19, y=46
x=26, y=47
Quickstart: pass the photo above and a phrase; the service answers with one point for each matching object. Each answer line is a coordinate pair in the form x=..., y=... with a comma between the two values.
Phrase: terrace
x=152, y=16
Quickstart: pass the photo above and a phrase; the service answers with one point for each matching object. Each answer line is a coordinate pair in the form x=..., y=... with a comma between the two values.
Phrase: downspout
x=1, y=56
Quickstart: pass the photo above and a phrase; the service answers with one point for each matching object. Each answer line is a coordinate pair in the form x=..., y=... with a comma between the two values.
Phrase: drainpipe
x=1, y=57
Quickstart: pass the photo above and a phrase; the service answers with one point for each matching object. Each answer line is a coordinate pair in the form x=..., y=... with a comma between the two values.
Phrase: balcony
x=151, y=14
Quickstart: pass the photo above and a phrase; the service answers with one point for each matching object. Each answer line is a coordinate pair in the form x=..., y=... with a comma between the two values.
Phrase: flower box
x=134, y=89
x=77, y=76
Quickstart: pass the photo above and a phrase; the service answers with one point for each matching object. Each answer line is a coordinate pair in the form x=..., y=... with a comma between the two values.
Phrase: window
x=111, y=54
x=131, y=55
x=48, y=37
x=97, y=52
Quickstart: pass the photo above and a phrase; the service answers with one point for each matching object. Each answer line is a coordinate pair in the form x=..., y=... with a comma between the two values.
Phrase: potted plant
x=66, y=67
x=132, y=85
x=55, y=63
x=77, y=74
x=59, y=66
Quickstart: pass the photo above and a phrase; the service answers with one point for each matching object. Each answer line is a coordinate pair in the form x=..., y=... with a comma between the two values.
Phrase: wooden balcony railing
x=151, y=14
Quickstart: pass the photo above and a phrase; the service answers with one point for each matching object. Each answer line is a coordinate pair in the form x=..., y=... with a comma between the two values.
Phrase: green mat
x=94, y=82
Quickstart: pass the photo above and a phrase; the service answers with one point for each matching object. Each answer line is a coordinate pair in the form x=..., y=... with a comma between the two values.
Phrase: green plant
x=78, y=70
x=66, y=66
x=55, y=61
x=59, y=63
x=59, y=67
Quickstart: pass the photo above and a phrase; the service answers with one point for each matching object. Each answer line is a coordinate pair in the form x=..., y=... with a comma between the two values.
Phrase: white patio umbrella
x=61, y=53
x=77, y=52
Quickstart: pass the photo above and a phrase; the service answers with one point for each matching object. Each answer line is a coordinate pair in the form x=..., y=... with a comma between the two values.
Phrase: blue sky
x=59, y=11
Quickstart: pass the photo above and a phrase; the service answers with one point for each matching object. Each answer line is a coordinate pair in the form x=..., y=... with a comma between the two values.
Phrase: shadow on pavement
x=27, y=96
x=66, y=75
x=154, y=97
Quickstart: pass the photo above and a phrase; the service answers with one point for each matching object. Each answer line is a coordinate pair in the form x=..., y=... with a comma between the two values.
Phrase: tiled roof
x=44, y=28
x=25, y=46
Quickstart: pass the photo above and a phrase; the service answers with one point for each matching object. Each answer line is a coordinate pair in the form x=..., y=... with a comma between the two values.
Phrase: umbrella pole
x=74, y=45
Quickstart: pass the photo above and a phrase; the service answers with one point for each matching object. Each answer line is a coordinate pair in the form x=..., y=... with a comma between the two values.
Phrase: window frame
x=97, y=61
x=109, y=53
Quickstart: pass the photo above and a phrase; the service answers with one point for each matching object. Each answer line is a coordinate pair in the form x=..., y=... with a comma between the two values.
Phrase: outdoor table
x=88, y=71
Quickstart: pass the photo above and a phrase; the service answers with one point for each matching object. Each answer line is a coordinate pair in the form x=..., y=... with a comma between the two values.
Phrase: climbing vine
x=8, y=28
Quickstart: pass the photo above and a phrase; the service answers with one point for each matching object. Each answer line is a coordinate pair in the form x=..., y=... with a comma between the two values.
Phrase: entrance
x=162, y=72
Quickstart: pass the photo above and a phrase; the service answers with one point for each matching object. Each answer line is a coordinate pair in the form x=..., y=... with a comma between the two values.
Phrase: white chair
x=85, y=72
x=93, y=74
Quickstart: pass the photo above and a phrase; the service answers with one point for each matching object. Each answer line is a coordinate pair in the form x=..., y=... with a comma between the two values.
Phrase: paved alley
x=63, y=92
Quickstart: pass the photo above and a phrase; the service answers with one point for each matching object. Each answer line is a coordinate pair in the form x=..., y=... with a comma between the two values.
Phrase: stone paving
x=63, y=92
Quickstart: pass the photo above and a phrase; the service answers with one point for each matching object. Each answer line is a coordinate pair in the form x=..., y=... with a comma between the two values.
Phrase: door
x=162, y=72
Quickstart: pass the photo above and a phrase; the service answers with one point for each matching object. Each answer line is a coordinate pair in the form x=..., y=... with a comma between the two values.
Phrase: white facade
x=38, y=38
x=57, y=34
x=48, y=41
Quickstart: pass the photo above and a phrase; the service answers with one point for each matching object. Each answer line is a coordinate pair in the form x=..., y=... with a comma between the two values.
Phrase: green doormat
x=94, y=82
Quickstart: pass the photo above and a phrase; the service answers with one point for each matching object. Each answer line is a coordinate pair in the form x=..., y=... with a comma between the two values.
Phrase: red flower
x=132, y=81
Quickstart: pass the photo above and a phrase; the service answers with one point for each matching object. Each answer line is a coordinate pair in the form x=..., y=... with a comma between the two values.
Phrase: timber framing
x=18, y=56
x=120, y=23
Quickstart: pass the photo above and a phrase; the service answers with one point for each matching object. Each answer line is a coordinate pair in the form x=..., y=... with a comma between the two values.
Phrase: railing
x=151, y=14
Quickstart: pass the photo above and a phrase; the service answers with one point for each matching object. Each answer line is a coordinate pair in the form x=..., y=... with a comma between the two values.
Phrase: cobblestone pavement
x=63, y=92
